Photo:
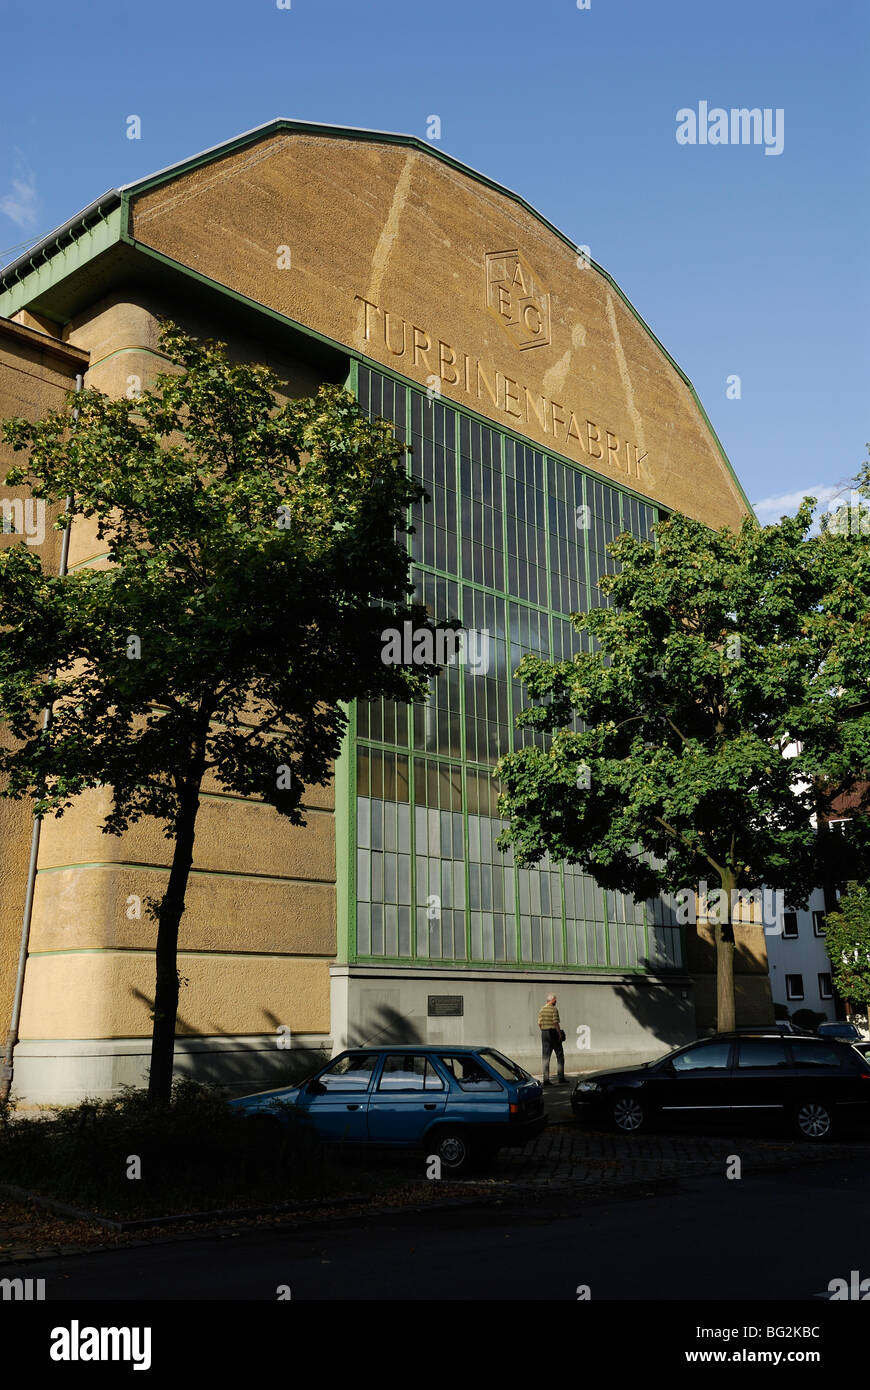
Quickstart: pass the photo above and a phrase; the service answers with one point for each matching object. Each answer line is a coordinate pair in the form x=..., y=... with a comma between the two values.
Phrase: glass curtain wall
x=511, y=543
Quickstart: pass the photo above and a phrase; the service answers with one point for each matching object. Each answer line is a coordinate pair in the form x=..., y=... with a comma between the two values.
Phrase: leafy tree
x=847, y=942
x=838, y=749
x=253, y=561
x=711, y=671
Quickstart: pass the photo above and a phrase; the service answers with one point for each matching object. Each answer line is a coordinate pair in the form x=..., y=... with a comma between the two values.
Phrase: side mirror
x=316, y=1088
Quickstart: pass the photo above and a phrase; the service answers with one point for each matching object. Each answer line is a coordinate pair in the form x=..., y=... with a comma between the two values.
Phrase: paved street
x=769, y=1236
x=578, y=1204
x=568, y=1154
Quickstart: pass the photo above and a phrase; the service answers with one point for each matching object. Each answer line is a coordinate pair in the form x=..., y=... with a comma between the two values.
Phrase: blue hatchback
x=457, y=1103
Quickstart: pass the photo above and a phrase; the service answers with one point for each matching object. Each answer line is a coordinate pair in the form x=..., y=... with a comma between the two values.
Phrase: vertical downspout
x=6, y=1067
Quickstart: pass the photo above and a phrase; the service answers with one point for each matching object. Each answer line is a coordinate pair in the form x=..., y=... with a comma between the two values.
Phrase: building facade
x=800, y=968
x=543, y=418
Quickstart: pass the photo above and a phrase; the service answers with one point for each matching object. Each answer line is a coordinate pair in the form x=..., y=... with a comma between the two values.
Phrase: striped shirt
x=549, y=1017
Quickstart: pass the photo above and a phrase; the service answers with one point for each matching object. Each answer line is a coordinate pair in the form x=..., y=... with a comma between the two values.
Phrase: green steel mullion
x=547, y=557
x=352, y=944
x=542, y=967
x=550, y=654
x=588, y=512
x=463, y=741
x=482, y=588
x=375, y=746
x=564, y=913
x=412, y=793
x=350, y=837
x=502, y=597
x=505, y=600
x=645, y=932
x=409, y=732
x=460, y=581
x=503, y=429
x=468, y=951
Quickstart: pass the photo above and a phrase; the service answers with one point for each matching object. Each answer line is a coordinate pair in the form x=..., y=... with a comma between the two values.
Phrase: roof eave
x=68, y=230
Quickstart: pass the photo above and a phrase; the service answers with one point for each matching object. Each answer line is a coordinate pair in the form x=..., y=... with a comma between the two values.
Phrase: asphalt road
x=774, y=1236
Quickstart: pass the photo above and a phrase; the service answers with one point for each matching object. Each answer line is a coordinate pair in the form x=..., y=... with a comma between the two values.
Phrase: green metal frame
x=345, y=795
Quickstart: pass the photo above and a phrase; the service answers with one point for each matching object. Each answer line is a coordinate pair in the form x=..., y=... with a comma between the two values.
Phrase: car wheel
x=813, y=1119
x=454, y=1151
x=627, y=1114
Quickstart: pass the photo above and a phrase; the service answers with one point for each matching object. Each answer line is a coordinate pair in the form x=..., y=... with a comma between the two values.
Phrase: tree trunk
x=726, y=1015
x=166, y=984
x=726, y=1012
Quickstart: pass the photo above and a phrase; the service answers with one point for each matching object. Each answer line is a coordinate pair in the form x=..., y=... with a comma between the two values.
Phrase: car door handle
x=429, y=1105
x=353, y=1107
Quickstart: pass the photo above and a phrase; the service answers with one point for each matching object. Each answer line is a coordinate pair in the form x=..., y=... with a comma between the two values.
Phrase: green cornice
x=47, y=268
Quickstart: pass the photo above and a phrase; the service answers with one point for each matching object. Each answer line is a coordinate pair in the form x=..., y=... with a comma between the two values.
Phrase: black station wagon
x=815, y=1084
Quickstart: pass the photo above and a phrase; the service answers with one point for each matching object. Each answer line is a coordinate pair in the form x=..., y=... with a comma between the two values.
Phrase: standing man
x=551, y=1039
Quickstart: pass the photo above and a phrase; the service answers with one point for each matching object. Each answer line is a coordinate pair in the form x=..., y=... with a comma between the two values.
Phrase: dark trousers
x=550, y=1043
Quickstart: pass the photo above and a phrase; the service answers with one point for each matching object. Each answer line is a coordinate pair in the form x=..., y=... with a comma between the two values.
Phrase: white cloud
x=21, y=202
x=787, y=503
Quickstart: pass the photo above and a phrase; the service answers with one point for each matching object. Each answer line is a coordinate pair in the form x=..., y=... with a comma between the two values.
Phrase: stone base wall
x=626, y=1018
x=66, y=1071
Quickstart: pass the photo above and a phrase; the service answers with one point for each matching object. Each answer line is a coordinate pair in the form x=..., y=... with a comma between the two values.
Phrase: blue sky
x=744, y=264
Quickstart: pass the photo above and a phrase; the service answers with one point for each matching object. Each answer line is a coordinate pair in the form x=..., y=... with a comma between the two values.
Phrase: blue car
x=460, y=1104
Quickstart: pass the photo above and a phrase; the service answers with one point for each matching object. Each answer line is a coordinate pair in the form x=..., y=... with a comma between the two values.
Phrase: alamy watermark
x=436, y=647
x=713, y=125
x=715, y=903
x=24, y=517
x=847, y=516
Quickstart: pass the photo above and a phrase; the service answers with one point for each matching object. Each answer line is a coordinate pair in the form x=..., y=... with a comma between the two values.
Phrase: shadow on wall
x=243, y=1068
x=246, y=1067
x=385, y=1025
x=660, y=1012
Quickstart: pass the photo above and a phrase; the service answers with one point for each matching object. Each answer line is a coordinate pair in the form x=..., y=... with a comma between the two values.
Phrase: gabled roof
x=95, y=249
x=48, y=245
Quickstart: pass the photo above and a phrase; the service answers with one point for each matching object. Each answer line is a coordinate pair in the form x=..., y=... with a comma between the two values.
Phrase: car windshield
x=468, y=1073
x=503, y=1065
x=654, y=1061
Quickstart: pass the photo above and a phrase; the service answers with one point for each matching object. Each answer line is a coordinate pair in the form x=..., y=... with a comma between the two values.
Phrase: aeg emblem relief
x=517, y=299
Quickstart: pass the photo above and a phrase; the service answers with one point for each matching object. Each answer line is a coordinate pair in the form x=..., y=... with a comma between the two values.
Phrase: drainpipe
x=6, y=1067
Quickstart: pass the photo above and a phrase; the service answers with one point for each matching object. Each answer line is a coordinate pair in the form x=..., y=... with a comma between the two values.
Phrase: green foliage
x=719, y=704
x=252, y=554
x=196, y=1153
x=720, y=651
x=847, y=942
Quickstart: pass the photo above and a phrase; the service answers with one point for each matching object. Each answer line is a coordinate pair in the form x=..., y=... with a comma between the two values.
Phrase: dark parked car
x=813, y=1083
x=459, y=1103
